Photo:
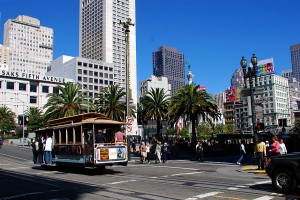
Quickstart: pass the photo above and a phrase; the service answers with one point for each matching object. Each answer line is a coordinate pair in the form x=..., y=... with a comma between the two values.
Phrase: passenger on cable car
x=100, y=137
x=120, y=136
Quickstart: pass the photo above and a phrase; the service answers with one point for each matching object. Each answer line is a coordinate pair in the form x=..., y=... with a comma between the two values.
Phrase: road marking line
x=240, y=186
x=225, y=197
x=278, y=194
x=232, y=188
x=174, y=167
x=19, y=168
x=186, y=173
x=21, y=195
x=264, y=198
x=114, y=183
x=201, y=196
x=257, y=183
x=13, y=156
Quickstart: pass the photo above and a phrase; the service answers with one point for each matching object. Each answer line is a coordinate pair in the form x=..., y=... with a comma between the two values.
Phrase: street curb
x=253, y=169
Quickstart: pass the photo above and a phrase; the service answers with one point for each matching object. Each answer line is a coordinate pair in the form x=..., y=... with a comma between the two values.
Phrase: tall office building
x=31, y=45
x=287, y=73
x=4, y=57
x=102, y=37
x=237, y=78
x=169, y=63
x=295, y=59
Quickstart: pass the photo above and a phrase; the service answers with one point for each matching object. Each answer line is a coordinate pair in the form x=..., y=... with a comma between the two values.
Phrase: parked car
x=284, y=170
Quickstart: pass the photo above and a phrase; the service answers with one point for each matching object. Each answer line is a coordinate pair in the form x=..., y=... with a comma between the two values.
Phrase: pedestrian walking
x=282, y=149
x=243, y=156
x=158, y=152
x=260, y=153
x=133, y=146
x=275, y=148
x=148, y=153
x=143, y=152
x=199, y=151
x=164, y=151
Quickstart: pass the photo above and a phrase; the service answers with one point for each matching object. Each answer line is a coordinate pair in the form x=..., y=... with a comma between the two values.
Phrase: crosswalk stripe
x=201, y=196
x=264, y=198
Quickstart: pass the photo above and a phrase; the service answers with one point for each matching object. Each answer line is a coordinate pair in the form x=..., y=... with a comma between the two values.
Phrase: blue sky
x=212, y=34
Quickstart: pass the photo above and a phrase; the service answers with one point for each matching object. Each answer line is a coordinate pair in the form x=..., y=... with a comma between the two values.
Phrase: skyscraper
x=102, y=37
x=237, y=79
x=169, y=63
x=295, y=58
x=31, y=45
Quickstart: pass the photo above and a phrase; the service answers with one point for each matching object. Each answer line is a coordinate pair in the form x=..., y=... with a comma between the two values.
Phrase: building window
x=33, y=88
x=45, y=89
x=79, y=71
x=79, y=78
x=10, y=86
x=33, y=99
x=55, y=90
x=22, y=86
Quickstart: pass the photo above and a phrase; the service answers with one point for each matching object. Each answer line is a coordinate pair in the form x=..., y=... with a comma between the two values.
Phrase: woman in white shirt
x=282, y=148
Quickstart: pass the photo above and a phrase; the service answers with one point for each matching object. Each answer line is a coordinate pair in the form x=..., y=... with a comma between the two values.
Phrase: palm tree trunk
x=159, y=134
x=194, y=138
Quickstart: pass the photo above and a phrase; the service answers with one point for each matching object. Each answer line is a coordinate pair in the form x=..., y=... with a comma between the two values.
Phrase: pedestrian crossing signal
x=260, y=126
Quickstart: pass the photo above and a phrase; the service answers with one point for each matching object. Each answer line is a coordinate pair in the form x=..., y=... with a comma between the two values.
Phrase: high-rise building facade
x=169, y=63
x=295, y=59
x=237, y=78
x=102, y=37
x=288, y=73
x=31, y=45
x=4, y=57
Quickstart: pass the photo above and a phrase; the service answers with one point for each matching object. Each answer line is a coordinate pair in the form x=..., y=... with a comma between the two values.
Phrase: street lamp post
x=250, y=74
x=22, y=120
x=126, y=26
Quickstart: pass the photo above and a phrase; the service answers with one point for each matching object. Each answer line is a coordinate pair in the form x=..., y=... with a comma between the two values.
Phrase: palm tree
x=67, y=102
x=35, y=119
x=192, y=103
x=7, y=122
x=110, y=103
x=156, y=104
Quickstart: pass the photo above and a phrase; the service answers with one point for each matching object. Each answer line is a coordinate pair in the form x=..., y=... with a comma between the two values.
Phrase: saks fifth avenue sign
x=32, y=76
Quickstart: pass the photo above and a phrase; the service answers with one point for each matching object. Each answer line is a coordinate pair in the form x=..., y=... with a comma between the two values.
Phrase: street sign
x=129, y=120
x=128, y=129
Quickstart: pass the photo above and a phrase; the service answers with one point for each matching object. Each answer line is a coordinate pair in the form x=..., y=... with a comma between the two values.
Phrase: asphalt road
x=177, y=179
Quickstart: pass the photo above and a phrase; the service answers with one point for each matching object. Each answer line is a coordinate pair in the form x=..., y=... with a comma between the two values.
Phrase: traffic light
x=260, y=126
